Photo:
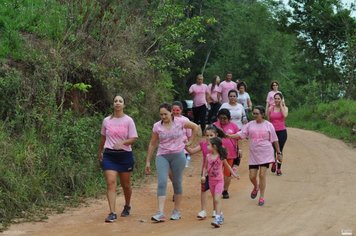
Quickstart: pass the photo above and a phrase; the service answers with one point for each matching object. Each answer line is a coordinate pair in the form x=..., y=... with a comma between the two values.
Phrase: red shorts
x=227, y=172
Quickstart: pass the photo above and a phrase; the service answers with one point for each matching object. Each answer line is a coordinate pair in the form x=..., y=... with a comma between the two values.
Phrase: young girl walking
x=211, y=131
x=213, y=166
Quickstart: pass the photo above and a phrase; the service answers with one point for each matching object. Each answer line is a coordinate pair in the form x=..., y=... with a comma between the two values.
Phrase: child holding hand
x=211, y=131
x=213, y=167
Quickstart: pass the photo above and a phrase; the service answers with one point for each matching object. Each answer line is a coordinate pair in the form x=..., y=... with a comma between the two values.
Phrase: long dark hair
x=219, y=147
x=213, y=82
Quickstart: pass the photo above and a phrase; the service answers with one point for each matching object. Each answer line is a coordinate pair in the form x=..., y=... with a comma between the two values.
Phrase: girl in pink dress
x=210, y=131
x=213, y=167
x=261, y=134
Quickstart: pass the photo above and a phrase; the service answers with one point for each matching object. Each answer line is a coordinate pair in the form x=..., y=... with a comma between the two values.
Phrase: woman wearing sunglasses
x=261, y=134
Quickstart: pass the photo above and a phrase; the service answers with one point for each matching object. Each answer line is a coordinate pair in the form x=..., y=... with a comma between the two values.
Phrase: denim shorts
x=118, y=160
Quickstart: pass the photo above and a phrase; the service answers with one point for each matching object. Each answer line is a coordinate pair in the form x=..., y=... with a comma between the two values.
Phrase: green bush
x=336, y=119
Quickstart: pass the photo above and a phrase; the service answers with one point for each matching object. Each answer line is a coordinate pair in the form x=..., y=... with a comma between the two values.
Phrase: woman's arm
x=195, y=128
x=101, y=147
x=249, y=104
x=279, y=153
x=193, y=150
x=119, y=145
x=226, y=165
x=151, y=148
x=284, y=109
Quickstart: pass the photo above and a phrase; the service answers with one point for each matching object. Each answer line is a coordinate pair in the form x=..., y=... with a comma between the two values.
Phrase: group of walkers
x=173, y=136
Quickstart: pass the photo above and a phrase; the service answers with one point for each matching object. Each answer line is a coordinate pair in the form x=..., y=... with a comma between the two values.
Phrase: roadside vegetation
x=336, y=119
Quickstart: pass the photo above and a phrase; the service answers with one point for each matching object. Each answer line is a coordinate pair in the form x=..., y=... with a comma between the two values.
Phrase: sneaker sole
x=110, y=221
x=201, y=217
x=175, y=218
x=216, y=225
x=155, y=220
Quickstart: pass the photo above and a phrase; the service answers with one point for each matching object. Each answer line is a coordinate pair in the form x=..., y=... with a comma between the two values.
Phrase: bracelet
x=279, y=153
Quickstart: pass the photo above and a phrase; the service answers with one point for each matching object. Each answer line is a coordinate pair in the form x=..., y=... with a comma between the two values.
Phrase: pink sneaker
x=261, y=201
x=254, y=192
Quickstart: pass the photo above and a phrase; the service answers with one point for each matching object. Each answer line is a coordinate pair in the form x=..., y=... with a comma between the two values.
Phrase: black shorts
x=258, y=166
x=118, y=160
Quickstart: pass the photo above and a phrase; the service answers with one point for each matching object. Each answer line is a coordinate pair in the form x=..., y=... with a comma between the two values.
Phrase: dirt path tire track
x=314, y=196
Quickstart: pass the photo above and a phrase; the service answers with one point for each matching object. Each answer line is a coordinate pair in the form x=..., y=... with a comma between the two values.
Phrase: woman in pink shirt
x=261, y=134
x=277, y=115
x=118, y=133
x=225, y=124
x=168, y=134
x=270, y=96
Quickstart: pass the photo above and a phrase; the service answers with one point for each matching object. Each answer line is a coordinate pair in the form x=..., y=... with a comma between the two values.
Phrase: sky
x=345, y=2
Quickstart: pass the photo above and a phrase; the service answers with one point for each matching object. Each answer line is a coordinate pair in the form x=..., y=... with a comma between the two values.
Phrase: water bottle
x=187, y=160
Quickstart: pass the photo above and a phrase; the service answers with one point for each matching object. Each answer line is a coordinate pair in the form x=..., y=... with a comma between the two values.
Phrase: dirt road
x=314, y=196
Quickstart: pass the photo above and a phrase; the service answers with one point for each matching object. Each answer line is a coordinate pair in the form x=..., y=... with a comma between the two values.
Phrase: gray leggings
x=175, y=162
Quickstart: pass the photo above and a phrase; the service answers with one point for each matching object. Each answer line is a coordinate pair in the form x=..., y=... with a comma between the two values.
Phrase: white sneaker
x=214, y=214
x=202, y=214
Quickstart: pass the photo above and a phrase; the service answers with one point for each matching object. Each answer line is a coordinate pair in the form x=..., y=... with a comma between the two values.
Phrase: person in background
x=244, y=98
x=270, y=96
x=168, y=135
x=261, y=134
x=277, y=115
x=118, y=133
x=214, y=98
x=226, y=86
x=225, y=124
x=177, y=109
x=200, y=94
x=214, y=165
x=237, y=111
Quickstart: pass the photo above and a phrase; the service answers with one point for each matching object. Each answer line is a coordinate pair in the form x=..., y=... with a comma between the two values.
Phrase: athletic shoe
x=273, y=168
x=218, y=221
x=175, y=215
x=202, y=215
x=111, y=217
x=225, y=194
x=126, y=211
x=159, y=217
x=279, y=172
x=214, y=214
x=261, y=201
x=254, y=192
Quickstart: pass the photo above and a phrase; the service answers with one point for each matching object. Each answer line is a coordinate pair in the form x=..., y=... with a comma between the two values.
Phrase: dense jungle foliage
x=62, y=62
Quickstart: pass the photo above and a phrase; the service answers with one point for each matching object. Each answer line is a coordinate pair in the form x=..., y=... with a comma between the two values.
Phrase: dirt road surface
x=314, y=196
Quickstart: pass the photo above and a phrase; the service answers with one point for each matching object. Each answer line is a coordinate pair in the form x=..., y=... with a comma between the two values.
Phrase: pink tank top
x=277, y=119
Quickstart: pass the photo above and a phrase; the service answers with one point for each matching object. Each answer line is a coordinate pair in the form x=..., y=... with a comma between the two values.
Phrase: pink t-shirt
x=261, y=136
x=118, y=129
x=270, y=97
x=170, y=140
x=225, y=87
x=277, y=119
x=204, y=149
x=229, y=143
x=214, y=93
x=215, y=168
x=199, y=94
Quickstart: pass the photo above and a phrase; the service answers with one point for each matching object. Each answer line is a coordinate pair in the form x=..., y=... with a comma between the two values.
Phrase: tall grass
x=336, y=119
